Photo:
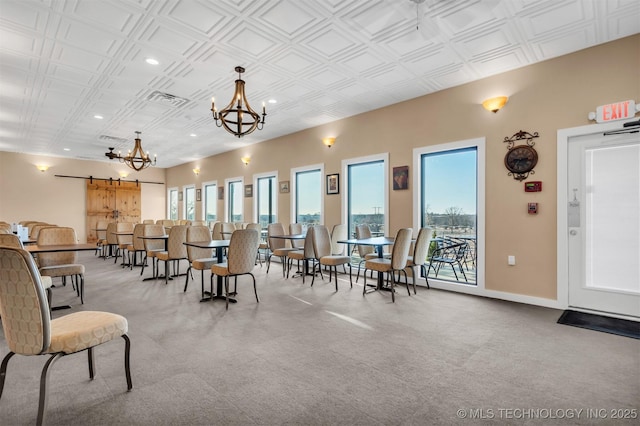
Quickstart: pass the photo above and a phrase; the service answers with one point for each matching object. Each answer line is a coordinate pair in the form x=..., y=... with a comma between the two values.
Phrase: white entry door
x=604, y=223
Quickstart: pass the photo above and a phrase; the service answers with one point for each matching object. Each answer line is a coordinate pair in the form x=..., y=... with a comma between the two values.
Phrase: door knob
x=573, y=232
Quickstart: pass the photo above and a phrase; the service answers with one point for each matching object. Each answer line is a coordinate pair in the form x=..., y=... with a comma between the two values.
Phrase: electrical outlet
x=511, y=260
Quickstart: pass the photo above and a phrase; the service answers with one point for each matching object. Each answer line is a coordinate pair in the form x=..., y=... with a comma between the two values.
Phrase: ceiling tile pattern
x=63, y=62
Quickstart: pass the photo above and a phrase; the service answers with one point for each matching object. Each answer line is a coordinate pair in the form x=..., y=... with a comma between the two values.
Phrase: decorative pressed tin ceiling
x=64, y=62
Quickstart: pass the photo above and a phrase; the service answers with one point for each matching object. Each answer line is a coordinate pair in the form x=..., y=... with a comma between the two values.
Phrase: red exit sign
x=615, y=111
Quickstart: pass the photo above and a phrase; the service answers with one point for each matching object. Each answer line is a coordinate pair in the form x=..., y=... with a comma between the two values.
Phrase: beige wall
x=543, y=98
x=28, y=194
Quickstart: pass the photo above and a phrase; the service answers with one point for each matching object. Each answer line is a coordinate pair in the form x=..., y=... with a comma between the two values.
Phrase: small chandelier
x=135, y=159
x=238, y=117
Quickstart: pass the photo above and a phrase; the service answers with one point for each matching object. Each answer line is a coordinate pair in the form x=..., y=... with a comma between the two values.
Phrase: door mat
x=621, y=327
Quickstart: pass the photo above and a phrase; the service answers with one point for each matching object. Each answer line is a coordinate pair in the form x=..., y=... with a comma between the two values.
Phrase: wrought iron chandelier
x=238, y=118
x=136, y=159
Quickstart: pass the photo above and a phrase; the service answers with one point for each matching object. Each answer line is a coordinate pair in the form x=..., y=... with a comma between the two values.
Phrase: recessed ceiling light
x=66, y=149
x=99, y=117
x=193, y=135
x=273, y=101
x=152, y=61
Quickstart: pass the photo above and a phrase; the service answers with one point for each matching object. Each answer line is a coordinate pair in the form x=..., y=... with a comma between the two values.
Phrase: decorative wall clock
x=521, y=159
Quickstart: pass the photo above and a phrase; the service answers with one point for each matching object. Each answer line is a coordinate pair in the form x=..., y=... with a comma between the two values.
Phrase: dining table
x=219, y=246
x=379, y=243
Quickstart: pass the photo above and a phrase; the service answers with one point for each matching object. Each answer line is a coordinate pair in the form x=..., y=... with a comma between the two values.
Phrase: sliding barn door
x=112, y=201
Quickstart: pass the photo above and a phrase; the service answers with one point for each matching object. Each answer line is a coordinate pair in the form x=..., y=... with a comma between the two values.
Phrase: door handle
x=573, y=232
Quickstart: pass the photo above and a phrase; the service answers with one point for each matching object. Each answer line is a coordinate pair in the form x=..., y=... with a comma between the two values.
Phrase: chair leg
x=393, y=291
x=364, y=287
x=44, y=377
x=144, y=263
x=226, y=291
x=127, y=364
x=3, y=370
x=313, y=272
x=186, y=284
x=255, y=290
x=425, y=271
x=90, y=356
x=406, y=281
x=202, y=283
x=81, y=285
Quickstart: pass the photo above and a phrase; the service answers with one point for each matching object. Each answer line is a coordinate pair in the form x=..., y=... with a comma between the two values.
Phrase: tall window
x=190, y=202
x=307, y=186
x=266, y=199
x=173, y=204
x=234, y=199
x=449, y=205
x=210, y=204
x=366, y=194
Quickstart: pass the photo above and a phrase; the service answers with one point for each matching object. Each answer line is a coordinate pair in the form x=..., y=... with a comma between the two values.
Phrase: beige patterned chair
x=227, y=229
x=101, y=235
x=306, y=255
x=322, y=252
x=123, y=240
x=112, y=239
x=216, y=231
x=148, y=222
x=176, y=250
x=28, y=329
x=152, y=247
x=277, y=246
x=258, y=228
x=198, y=223
x=365, y=252
x=63, y=264
x=397, y=263
x=11, y=240
x=137, y=245
x=419, y=255
x=199, y=259
x=241, y=259
x=294, y=229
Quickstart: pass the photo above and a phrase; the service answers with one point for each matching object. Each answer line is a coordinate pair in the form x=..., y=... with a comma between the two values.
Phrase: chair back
x=198, y=223
x=101, y=233
x=339, y=232
x=35, y=231
x=184, y=222
x=216, y=231
x=400, y=251
x=243, y=249
x=175, y=245
x=148, y=222
x=5, y=231
x=296, y=228
x=321, y=241
x=53, y=236
x=138, y=231
x=198, y=233
x=362, y=232
x=240, y=225
x=257, y=227
x=227, y=229
x=124, y=227
x=421, y=247
x=153, y=231
x=32, y=224
x=309, y=252
x=10, y=240
x=274, y=229
x=23, y=304
x=111, y=237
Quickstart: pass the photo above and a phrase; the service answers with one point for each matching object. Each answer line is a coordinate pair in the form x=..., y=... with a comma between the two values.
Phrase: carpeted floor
x=313, y=356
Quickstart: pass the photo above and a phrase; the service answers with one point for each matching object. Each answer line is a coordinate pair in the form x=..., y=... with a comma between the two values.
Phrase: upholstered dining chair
x=294, y=229
x=199, y=259
x=101, y=236
x=397, y=263
x=176, y=250
x=277, y=246
x=137, y=244
x=112, y=239
x=28, y=330
x=12, y=240
x=241, y=259
x=306, y=254
x=148, y=221
x=227, y=229
x=365, y=252
x=152, y=247
x=216, y=231
x=419, y=256
x=322, y=251
x=63, y=264
x=123, y=240
x=258, y=228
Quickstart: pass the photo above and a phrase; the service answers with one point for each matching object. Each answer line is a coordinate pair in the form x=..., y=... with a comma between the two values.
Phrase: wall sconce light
x=328, y=141
x=495, y=104
x=196, y=171
x=246, y=160
x=42, y=167
x=123, y=175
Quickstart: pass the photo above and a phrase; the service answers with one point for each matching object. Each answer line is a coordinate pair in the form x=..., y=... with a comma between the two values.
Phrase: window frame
x=227, y=204
x=203, y=199
x=169, y=191
x=184, y=201
x=293, y=188
x=256, y=194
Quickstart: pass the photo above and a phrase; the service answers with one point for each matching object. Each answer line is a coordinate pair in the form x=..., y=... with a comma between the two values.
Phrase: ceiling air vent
x=167, y=99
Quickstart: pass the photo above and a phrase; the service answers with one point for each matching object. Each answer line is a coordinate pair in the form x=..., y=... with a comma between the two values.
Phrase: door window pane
x=235, y=195
x=210, y=202
x=366, y=197
x=449, y=206
x=173, y=204
x=267, y=200
x=308, y=197
x=190, y=203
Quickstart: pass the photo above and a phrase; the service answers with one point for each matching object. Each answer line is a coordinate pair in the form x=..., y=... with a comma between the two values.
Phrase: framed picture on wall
x=221, y=193
x=198, y=194
x=333, y=183
x=400, y=178
x=180, y=196
x=248, y=191
x=284, y=187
